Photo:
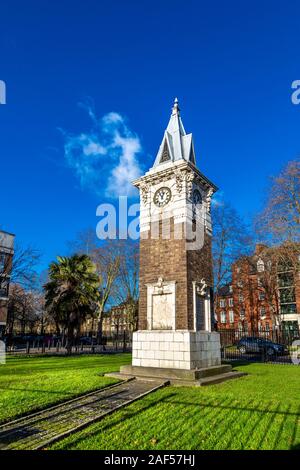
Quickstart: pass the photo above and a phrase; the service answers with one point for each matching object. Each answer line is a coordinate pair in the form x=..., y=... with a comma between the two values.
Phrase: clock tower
x=175, y=337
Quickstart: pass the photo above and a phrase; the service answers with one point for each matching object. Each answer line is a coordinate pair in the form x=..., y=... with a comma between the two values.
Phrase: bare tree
x=117, y=264
x=24, y=262
x=231, y=240
x=126, y=289
x=280, y=219
x=85, y=242
x=22, y=311
x=107, y=262
x=105, y=255
x=19, y=270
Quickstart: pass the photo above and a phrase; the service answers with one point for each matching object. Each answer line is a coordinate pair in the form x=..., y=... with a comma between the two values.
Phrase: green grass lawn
x=31, y=383
x=259, y=411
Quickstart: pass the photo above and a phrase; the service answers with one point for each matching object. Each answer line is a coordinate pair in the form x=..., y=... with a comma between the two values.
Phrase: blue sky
x=231, y=64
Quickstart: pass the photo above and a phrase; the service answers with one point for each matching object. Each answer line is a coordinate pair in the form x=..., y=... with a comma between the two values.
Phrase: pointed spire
x=176, y=144
x=175, y=109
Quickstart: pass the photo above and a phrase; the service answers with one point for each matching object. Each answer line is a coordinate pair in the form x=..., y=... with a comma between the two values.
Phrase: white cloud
x=105, y=159
x=128, y=168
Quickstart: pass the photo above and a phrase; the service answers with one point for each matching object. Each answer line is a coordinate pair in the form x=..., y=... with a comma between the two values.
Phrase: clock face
x=197, y=198
x=162, y=196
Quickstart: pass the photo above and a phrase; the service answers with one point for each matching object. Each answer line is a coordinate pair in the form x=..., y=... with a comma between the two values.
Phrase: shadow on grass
x=128, y=416
x=264, y=422
x=265, y=412
x=295, y=447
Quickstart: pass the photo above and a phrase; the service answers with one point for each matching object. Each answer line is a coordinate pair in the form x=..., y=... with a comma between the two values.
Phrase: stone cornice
x=182, y=170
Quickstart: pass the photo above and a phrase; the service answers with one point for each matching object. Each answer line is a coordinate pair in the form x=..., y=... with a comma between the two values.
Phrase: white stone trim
x=207, y=308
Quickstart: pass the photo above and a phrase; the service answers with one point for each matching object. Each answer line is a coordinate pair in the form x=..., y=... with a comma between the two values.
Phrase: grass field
x=31, y=383
x=259, y=411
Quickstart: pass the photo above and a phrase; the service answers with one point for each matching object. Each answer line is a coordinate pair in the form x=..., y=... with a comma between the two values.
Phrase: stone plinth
x=176, y=349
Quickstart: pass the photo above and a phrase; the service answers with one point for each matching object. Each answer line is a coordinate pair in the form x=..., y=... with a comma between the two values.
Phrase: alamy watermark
x=2, y=92
x=2, y=352
x=123, y=222
x=295, y=352
x=295, y=97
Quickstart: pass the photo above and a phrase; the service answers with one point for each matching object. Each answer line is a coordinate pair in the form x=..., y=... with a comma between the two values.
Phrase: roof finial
x=175, y=109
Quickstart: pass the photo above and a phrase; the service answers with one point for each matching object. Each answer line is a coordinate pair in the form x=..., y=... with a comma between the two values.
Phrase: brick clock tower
x=175, y=338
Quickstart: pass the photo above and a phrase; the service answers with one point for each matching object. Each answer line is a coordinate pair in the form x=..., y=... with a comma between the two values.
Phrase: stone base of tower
x=176, y=349
x=179, y=357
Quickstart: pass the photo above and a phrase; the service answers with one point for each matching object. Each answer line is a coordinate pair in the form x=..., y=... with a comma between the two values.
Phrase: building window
x=223, y=317
x=4, y=288
x=287, y=309
x=222, y=303
x=259, y=282
x=241, y=298
x=260, y=266
x=240, y=284
x=230, y=302
x=230, y=289
x=2, y=262
x=286, y=279
x=262, y=312
x=261, y=295
x=231, y=316
x=287, y=296
x=242, y=314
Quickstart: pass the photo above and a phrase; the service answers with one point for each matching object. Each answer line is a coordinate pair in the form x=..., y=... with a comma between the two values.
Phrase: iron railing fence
x=111, y=341
x=277, y=345
x=261, y=345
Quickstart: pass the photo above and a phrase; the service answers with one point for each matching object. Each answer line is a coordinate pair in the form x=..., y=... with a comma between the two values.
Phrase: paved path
x=40, y=429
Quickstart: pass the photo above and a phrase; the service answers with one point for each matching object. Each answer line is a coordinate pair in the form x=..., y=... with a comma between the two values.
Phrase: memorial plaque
x=200, y=313
x=162, y=312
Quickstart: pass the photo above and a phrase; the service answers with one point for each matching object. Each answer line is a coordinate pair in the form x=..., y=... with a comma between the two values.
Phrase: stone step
x=216, y=379
x=174, y=374
x=214, y=370
x=185, y=382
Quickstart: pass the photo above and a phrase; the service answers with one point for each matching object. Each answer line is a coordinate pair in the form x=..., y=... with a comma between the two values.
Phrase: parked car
x=86, y=341
x=252, y=344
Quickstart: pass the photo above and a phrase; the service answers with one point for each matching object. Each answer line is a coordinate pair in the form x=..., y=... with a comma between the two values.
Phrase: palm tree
x=72, y=292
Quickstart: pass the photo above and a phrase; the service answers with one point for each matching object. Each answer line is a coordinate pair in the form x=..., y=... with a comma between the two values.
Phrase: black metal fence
x=275, y=346
x=263, y=345
x=53, y=344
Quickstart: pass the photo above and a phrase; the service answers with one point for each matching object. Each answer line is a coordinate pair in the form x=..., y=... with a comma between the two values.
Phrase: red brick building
x=264, y=293
x=120, y=318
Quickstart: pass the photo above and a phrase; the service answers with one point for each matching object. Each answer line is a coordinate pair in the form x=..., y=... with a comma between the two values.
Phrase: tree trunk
x=57, y=328
x=70, y=338
x=100, y=326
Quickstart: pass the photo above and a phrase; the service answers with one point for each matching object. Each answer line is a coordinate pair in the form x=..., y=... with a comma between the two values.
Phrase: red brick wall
x=170, y=260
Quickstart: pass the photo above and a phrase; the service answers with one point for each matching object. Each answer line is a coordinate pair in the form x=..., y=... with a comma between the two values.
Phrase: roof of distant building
x=225, y=291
